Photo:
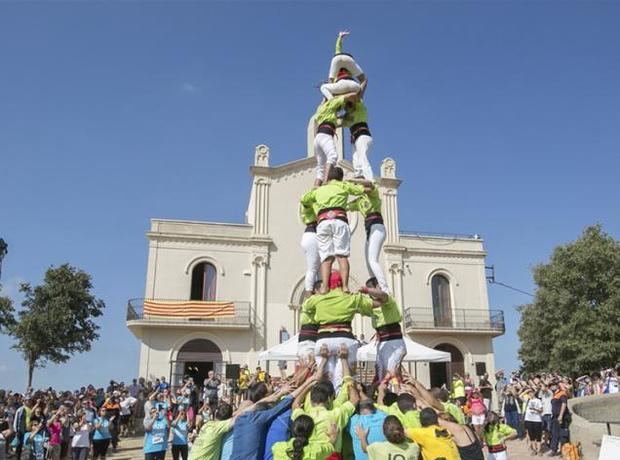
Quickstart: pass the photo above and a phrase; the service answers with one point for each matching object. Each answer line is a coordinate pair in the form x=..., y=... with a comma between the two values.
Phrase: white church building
x=219, y=293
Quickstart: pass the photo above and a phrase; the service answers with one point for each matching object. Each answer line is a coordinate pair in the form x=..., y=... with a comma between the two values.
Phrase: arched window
x=442, y=306
x=204, y=282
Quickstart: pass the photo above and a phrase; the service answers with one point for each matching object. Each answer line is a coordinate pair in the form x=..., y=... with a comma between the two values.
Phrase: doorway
x=442, y=372
x=195, y=359
x=197, y=370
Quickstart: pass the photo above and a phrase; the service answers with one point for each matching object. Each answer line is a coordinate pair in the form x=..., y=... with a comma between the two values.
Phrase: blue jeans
x=513, y=420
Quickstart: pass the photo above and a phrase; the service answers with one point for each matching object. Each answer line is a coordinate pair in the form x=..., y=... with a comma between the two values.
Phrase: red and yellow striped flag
x=188, y=309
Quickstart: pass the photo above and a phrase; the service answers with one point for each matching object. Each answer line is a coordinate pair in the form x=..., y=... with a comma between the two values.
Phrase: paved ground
x=131, y=449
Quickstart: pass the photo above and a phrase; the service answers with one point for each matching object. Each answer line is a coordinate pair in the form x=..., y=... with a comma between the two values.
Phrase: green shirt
x=368, y=203
x=304, y=316
x=336, y=306
x=323, y=418
x=316, y=449
x=409, y=419
x=208, y=445
x=386, y=450
x=356, y=113
x=327, y=112
x=387, y=313
x=455, y=411
x=334, y=194
x=496, y=434
x=308, y=214
x=458, y=388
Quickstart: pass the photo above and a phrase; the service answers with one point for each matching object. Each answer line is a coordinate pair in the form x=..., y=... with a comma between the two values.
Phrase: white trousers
x=498, y=456
x=361, y=165
x=329, y=90
x=374, y=243
x=389, y=356
x=333, y=238
x=310, y=246
x=325, y=152
x=305, y=349
x=340, y=61
x=333, y=367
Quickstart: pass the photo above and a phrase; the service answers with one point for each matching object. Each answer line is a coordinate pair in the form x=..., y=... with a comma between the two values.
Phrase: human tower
x=330, y=306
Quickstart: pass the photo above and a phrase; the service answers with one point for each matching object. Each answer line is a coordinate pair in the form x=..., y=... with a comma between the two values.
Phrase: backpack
x=571, y=451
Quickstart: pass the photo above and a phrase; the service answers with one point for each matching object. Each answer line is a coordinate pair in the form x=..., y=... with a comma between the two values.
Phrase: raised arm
x=300, y=393
x=378, y=296
x=341, y=36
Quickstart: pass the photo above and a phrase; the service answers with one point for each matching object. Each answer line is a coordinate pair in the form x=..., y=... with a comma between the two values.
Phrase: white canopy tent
x=287, y=351
x=415, y=352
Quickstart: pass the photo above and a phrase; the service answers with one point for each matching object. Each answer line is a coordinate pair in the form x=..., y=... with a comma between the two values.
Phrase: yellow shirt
x=410, y=419
x=435, y=442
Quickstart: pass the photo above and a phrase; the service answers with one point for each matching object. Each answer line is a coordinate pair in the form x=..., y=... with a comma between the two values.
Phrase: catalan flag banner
x=188, y=309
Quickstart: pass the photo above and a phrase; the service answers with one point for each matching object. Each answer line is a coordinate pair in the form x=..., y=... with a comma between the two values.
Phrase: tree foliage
x=573, y=325
x=56, y=320
x=6, y=313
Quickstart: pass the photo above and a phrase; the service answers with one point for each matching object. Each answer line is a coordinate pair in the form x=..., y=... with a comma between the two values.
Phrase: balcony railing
x=464, y=319
x=242, y=314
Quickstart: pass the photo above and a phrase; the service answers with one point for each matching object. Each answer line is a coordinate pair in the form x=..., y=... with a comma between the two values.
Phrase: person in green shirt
x=320, y=403
x=310, y=247
x=334, y=312
x=356, y=119
x=333, y=232
x=369, y=205
x=391, y=348
x=326, y=120
x=208, y=444
x=495, y=435
x=396, y=446
x=404, y=408
x=303, y=445
x=451, y=408
x=458, y=389
x=306, y=340
x=343, y=73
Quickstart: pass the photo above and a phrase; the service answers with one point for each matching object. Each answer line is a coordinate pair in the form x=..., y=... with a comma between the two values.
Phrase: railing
x=451, y=236
x=242, y=315
x=420, y=318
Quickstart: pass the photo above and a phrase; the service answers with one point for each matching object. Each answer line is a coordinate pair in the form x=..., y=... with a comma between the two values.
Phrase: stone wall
x=586, y=412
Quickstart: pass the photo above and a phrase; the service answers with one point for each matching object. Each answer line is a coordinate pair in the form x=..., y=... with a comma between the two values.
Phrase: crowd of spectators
x=300, y=417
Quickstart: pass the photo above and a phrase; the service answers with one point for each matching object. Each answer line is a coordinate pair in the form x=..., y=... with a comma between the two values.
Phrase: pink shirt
x=477, y=406
x=55, y=429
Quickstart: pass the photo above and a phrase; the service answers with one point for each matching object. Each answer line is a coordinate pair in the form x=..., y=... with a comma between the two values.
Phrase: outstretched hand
x=360, y=432
x=343, y=33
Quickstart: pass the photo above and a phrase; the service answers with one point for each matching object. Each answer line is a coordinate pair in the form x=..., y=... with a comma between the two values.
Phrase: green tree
x=56, y=320
x=573, y=325
x=6, y=313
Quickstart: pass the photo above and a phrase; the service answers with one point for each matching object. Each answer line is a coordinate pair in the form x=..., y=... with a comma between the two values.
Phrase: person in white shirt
x=611, y=382
x=80, y=443
x=546, y=395
x=533, y=421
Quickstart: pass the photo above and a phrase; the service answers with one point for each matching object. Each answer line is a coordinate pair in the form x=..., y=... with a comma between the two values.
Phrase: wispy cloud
x=10, y=287
x=189, y=87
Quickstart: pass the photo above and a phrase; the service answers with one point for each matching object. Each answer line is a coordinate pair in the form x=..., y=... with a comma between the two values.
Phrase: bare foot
x=343, y=353
x=324, y=351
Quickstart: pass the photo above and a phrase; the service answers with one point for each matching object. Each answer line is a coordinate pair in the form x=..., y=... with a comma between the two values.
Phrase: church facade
x=219, y=293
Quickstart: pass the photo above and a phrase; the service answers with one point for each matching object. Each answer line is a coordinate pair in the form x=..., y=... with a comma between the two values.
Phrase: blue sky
x=503, y=118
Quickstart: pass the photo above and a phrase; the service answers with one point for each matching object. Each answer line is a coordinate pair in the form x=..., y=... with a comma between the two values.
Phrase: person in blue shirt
x=279, y=430
x=179, y=435
x=35, y=440
x=155, y=435
x=101, y=436
x=371, y=420
x=251, y=428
